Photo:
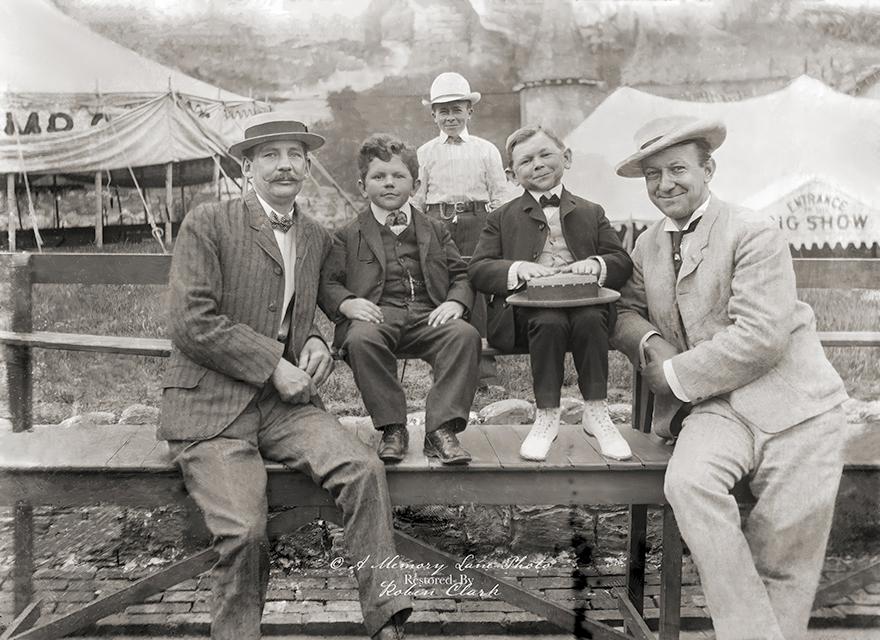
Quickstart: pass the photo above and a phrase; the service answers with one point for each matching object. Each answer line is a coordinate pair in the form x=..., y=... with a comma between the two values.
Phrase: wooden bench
x=42, y=466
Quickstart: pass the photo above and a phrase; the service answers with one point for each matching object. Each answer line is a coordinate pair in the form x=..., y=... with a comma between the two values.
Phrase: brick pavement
x=324, y=601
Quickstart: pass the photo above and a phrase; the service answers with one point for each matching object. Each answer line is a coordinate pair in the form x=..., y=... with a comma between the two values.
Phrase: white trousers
x=759, y=576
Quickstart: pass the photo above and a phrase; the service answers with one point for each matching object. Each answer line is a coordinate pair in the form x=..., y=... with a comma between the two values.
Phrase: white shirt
x=668, y=371
x=553, y=220
x=381, y=214
x=468, y=171
x=287, y=247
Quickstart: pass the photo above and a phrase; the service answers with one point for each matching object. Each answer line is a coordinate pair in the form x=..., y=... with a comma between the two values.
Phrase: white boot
x=597, y=423
x=543, y=433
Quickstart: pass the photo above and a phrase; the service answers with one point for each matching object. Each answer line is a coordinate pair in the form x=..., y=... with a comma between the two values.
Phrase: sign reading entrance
x=819, y=213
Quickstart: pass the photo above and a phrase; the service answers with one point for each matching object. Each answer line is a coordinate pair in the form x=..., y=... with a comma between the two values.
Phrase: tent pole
x=99, y=213
x=55, y=199
x=217, y=176
x=10, y=209
x=169, y=199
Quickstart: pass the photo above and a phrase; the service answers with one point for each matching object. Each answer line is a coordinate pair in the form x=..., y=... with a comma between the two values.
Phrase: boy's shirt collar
x=381, y=214
x=464, y=135
x=555, y=191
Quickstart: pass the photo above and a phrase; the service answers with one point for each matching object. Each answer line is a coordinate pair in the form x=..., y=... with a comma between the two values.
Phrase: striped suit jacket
x=225, y=295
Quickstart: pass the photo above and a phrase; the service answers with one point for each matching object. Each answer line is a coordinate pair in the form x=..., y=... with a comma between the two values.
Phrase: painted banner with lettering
x=818, y=213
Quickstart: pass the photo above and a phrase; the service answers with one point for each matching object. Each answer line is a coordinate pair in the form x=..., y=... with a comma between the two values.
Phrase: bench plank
x=129, y=345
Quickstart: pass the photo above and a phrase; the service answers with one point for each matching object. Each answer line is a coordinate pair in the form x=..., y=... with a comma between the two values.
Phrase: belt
x=448, y=210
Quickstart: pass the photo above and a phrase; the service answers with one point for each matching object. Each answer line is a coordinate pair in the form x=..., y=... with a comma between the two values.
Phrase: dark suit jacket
x=356, y=267
x=518, y=230
x=226, y=289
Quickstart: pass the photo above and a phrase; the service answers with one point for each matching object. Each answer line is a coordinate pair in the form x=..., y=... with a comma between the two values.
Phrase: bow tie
x=552, y=201
x=454, y=140
x=396, y=219
x=282, y=223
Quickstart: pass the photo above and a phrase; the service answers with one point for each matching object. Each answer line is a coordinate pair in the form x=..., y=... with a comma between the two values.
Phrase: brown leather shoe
x=395, y=440
x=444, y=444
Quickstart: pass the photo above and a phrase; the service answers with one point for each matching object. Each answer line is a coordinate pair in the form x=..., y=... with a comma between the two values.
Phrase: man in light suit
x=241, y=383
x=712, y=316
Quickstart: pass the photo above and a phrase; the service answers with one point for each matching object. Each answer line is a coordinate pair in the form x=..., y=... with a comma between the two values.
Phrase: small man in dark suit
x=549, y=230
x=241, y=383
x=395, y=283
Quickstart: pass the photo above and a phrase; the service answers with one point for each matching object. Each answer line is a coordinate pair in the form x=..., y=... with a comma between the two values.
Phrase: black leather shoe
x=395, y=440
x=444, y=444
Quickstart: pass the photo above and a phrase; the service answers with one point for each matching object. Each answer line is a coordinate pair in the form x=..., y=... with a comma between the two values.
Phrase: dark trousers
x=226, y=477
x=451, y=349
x=549, y=333
x=465, y=232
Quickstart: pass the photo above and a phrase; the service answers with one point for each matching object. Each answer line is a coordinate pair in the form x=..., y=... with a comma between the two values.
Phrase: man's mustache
x=282, y=177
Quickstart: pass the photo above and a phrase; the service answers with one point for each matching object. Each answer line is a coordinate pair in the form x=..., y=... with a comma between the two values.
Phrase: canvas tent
x=75, y=103
x=806, y=155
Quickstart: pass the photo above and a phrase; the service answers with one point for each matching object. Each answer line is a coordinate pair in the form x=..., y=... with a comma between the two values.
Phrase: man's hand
x=656, y=379
x=528, y=270
x=293, y=384
x=315, y=360
x=588, y=267
x=361, y=309
x=657, y=349
x=449, y=310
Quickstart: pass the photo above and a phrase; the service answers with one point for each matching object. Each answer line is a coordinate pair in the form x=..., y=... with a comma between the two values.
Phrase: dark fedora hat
x=274, y=125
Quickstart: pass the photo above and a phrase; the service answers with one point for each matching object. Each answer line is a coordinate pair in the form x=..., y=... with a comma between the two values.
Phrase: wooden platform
x=125, y=464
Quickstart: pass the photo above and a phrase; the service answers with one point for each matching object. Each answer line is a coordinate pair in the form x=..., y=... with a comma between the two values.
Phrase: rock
x=861, y=411
x=510, y=411
x=552, y=528
x=572, y=410
x=355, y=421
x=139, y=414
x=91, y=418
x=621, y=413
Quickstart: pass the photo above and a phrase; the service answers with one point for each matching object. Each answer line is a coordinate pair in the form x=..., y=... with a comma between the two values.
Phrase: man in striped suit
x=241, y=383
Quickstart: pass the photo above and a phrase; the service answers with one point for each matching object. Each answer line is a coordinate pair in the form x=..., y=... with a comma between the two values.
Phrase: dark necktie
x=677, y=237
x=396, y=219
x=282, y=223
x=454, y=140
x=552, y=201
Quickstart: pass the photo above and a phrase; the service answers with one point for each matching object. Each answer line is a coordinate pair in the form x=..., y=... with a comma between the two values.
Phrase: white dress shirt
x=287, y=247
x=381, y=214
x=668, y=371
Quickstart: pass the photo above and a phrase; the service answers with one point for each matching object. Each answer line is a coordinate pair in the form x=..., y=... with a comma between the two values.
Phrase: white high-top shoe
x=543, y=433
x=597, y=423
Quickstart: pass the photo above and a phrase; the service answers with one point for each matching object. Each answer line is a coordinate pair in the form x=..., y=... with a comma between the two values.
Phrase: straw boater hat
x=663, y=133
x=449, y=87
x=274, y=125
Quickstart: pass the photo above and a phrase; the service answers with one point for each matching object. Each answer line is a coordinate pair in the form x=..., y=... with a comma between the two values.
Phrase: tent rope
x=27, y=187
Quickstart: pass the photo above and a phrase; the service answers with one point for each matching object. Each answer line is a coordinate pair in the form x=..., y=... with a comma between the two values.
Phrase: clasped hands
x=525, y=271
x=297, y=384
x=363, y=309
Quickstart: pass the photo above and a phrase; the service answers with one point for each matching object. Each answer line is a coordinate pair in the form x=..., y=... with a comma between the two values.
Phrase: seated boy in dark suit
x=394, y=282
x=549, y=230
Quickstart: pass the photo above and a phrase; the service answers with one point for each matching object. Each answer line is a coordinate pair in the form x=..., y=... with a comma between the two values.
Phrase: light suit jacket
x=356, y=267
x=226, y=290
x=734, y=314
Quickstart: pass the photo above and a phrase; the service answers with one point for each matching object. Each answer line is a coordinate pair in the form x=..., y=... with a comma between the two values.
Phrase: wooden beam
x=10, y=210
x=23, y=556
x=24, y=621
x=169, y=199
x=154, y=583
x=216, y=177
x=633, y=621
x=18, y=358
x=636, y=552
x=86, y=342
x=670, y=578
x=850, y=583
x=99, y=211
x=568, y=620
x=100, y=268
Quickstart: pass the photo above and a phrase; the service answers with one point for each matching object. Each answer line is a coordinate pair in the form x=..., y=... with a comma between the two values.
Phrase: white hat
x=663, y=133
x=449, y=87
x=274, y=125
